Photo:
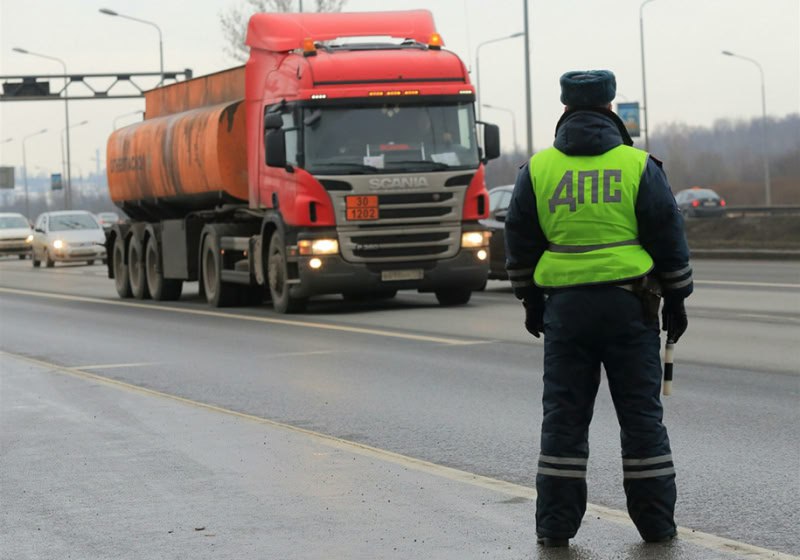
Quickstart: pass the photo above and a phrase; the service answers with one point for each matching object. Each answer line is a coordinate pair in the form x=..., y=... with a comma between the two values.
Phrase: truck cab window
x=291, y=138
x=291, y=133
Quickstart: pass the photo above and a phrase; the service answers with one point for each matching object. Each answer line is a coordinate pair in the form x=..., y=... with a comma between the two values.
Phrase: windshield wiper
x=433, y=165
x=352, y=166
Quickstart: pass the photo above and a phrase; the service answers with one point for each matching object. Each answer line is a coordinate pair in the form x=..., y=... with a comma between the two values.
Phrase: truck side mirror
x=273, y=121
x=275, y=141
x=491, y=141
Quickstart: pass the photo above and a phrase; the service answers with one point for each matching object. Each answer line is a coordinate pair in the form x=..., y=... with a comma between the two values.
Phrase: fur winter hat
x=588, y=88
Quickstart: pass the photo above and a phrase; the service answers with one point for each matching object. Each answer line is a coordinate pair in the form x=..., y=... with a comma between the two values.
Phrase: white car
x=16, y=235
x=67, y=236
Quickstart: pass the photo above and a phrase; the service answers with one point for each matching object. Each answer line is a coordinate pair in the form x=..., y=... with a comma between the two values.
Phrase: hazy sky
x=688, y=79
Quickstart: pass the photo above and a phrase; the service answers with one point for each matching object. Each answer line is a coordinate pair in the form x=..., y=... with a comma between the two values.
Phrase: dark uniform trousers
x=584, y=328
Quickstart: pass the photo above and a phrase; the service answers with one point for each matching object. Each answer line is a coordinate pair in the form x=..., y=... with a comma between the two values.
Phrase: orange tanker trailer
x=190, y=152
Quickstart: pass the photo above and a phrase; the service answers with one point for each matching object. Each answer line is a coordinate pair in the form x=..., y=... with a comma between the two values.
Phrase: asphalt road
x=458, y=387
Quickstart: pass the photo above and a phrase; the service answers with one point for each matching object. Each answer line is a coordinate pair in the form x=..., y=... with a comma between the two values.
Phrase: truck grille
x=396, y=244
x=417, y=223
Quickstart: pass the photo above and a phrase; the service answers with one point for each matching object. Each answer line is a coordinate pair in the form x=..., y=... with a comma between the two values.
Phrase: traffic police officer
x=591, y=226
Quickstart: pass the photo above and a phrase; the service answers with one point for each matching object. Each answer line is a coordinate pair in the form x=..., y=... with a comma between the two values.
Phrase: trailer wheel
x=453, y=296
x=161, y=289
x=136, y=270
x=278, y=277
x=218, y=293
x=121, y=279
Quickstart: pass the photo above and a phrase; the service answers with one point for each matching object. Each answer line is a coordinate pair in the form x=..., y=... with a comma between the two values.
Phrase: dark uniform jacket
x=588, y=132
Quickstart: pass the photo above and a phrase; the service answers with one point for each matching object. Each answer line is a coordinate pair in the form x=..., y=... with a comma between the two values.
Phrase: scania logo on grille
x=379, y=183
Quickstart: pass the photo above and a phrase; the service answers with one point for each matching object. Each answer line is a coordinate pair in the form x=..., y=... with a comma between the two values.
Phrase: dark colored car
x=700, y=202
x=499, y=199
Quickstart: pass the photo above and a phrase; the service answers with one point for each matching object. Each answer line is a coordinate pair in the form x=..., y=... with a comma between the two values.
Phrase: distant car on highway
x=698, y=202
x=67, y=236
x=108, y=219
x=499, y=199
x=16, y=235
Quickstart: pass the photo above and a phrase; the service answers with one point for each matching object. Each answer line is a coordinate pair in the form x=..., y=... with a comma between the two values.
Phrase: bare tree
x=234, y=21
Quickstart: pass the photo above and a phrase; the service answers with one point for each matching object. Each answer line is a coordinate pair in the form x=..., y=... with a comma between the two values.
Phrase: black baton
x=669, y=349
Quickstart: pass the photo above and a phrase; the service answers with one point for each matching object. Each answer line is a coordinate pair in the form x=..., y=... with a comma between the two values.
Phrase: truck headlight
x=29, y=239
x=474, y=239
x=318, y=246
x=58, y=244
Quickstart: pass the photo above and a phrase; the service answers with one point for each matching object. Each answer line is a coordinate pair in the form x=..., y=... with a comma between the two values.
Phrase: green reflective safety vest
x=586, y=208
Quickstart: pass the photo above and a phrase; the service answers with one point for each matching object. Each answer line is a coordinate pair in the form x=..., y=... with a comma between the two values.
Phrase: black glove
x=673, y=318
x=534, y=315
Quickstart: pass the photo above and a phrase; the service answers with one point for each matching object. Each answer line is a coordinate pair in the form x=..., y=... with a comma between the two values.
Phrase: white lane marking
x=113, y=366
x=769, y=317
x=223, y=315
x=291, y=354
x=751, y=284
x=698, y=538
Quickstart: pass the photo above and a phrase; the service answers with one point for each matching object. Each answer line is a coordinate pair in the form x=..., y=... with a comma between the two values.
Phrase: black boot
x=549, y=542
x=662, y=539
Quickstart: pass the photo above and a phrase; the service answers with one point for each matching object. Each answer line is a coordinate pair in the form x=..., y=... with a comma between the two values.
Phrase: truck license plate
x=360, y=208
x=395, y=275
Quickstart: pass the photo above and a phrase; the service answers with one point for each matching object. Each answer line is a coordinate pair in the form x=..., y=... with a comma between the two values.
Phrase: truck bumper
x=465, y=270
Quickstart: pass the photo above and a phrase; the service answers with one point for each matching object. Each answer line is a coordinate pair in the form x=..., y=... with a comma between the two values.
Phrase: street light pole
x=108, y=12
x=67, y=191
x=645, y=106
x=25, y=170
x=61, y=137
x=767, y=182
x=513, y=122
x=478, y=63
x=528, y=102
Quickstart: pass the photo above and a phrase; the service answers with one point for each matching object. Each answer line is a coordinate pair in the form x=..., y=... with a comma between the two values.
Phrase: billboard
x=629, y=113
x=6, y=177
x=55, y=182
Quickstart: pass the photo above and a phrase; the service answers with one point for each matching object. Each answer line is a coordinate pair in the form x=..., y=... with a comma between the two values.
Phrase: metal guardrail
x=736, y=211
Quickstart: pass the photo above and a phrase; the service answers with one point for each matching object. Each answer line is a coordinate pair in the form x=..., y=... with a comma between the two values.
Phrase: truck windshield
x=390, y=139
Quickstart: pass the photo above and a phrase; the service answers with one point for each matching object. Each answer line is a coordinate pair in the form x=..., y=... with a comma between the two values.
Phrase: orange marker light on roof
x=435, y=41
x=309, y=49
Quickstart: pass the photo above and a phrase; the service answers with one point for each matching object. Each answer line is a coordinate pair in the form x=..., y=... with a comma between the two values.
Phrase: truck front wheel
x=453, y=296
x=121, y=279
x=278, y=278
x=161, y=289
x=218, y=293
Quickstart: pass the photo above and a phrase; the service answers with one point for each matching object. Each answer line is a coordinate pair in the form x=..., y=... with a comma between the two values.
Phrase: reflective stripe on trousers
x=649, y=467
x=564, y=467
